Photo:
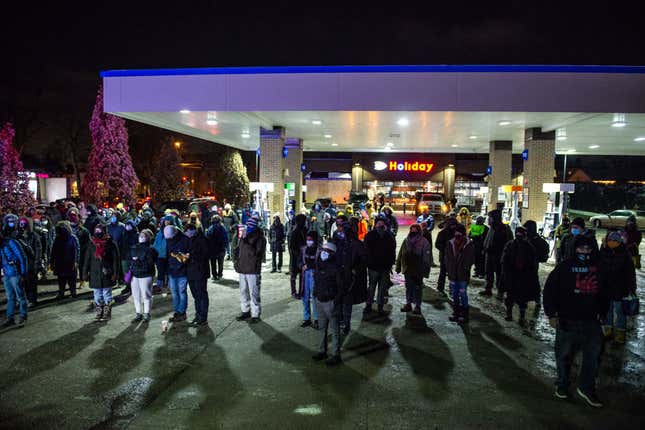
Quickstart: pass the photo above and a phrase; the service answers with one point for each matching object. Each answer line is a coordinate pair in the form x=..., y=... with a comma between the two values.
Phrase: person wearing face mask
x=64, y=258
x=162, y=254
x=336, y=231
x=329, y=292
x=276, y=240
x=93, y=218
x=567, y=244
x=352, y=257
x=217, y=239
x=576, y=300
x=632, y=240
x=82, y=235
x=177, y=248
x=499, y=234
x=445, y=235
x=247, y=260
x=130, y=238
x=116, y=230
x=381, y=255
x=478, y=232
x=102, y=265
x=559, y=233
x=459, y=257
x=519, y=274
x=30, y=239
x=197, y=273
x=621, y=281
x=414, y=262
x=297, y=240
x=307, y=263
x=14, y=269
x=142, y=266
x=391, y=219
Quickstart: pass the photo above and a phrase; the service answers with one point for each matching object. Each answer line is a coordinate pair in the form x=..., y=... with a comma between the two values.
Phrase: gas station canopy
x=596, y=110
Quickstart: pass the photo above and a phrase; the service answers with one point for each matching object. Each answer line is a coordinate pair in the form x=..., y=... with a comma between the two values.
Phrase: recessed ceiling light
x=454, y=145
x=334, y=144
x=211, y=121
x=619, y=120
x=472, y=137
x=389, y=144
x=618, y=124
x=387, y=148
x=504, y=122
x=184, y=111
x=594, y=146
x=640, y=139
x=561, y=138
x=571, y=150
x=211, y=118
x=403, y=122
x=316, y=121
x=245, y=135
x=328, y=136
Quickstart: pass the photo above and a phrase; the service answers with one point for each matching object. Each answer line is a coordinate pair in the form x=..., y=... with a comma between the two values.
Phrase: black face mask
x=99, y=234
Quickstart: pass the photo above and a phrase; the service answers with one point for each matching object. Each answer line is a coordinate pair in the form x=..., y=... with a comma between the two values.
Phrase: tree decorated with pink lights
x=15, y=195
x=109, y=168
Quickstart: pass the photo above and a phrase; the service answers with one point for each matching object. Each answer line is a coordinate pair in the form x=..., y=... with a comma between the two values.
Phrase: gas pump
x=260, y=202
x=484, y=209
x=557, y=205
x=511, y=198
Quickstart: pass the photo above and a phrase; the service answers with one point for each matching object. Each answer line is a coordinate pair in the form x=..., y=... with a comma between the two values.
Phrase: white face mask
x=128, y=227
x=310, y=243
x=143, y=239
x=324, y=255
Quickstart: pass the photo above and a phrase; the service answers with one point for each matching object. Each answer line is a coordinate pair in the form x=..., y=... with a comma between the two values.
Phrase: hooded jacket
x=498, y=235
x=217, y=238
x=198, y=268
x=101, y=271
x=414, y=259
x=391, y=219
x=142, y=260
x=520, y=271
x=64, y=252
x=328, y=280
x=298, y=235
x=458, y=263
x=621, y=275
x=381, y=251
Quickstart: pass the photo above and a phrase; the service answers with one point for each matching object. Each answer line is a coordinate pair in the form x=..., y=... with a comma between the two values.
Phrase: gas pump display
x=510, y=212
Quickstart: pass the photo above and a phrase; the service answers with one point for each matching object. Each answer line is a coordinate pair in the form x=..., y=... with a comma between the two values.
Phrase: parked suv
x=434, y=202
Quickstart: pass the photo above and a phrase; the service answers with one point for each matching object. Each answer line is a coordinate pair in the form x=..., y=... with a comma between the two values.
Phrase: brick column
x=501, y=161
x=539, y=169
x=272, y=166
x=292, y=164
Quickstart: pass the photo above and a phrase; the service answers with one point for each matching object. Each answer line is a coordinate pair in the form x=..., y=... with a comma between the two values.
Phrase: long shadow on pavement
x=428, y=356
x=48, y=355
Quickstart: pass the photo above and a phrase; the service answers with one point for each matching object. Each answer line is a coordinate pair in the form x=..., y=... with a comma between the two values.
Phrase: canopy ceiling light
x=619, y=120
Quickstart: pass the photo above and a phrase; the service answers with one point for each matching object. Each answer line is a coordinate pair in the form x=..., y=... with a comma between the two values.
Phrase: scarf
x=99, y=244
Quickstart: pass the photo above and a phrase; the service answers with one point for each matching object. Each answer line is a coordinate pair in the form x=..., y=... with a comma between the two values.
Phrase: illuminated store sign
x=404, y=166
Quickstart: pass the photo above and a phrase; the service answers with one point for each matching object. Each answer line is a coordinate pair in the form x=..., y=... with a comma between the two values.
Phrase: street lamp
x=177, y=145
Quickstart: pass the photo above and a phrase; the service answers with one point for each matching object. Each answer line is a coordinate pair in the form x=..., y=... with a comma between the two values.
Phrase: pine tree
x=166, y=181
x=232, y=181
x=109, y=167
x=15, y=195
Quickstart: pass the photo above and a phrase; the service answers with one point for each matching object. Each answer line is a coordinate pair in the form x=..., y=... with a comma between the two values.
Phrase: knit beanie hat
x=615, y=236
x=579, y=222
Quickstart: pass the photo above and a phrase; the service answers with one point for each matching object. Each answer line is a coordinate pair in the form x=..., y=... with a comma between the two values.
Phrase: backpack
x=542, y=249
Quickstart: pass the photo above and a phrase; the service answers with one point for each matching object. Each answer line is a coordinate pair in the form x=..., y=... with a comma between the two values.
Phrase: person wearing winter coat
x=297, y=241
x=162, y=254
x=147, y=221
x=632, y=240
x=102, y=265
x=14, y=269
x=478, y=232
x=560, y=231
x=177, y=249
x=276, y=240
x=391, y=219
x=217, y=239
x=116, y=230
x=247, y=260
x=142, y=266
x=64, y=258
x=31, y=239
x=519, y=274
x=82, y=235
x=93, y=218
x=197, y=273
x=445, y=235
x=617, y=262
x=130, y=238
x=498, y=236
x=329, y=291
x=577, y=228
x=381, y=255
x=575, y=300
x=414, y=262
x=307, y=263
x=230, y=221
x=459, y=257
x=352, y=256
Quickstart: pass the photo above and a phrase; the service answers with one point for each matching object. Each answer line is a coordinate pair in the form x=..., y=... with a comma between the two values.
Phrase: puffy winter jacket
x=160, y=244
x=381, y=251
x=217, y=238
x=249, y=253
x=198, y=267
x=142, y=260
x=328, y=280
x=178, y=244
x=458, y=265
x=14, y=260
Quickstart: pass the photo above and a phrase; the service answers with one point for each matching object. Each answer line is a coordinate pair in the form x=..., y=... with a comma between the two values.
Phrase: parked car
x=434, y=202
x=617, y=219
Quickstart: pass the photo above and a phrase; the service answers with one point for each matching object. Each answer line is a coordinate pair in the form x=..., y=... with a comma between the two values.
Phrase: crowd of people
x=337, y=259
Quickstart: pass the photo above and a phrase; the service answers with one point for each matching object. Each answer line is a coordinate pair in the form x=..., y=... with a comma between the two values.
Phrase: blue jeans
x=102, y=296
x=459, y=293
x=179, y=295
x=377, y=279
x=621, y=320
x=15, y=292
x=570, y=337
x=308, y=302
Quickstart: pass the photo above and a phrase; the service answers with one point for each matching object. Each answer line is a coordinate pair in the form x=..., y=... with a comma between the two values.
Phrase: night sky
x=53, y=52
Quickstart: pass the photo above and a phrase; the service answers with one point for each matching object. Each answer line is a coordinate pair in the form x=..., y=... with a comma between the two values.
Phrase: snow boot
x=456, y=312
x=99, y=312
x=107, y=312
